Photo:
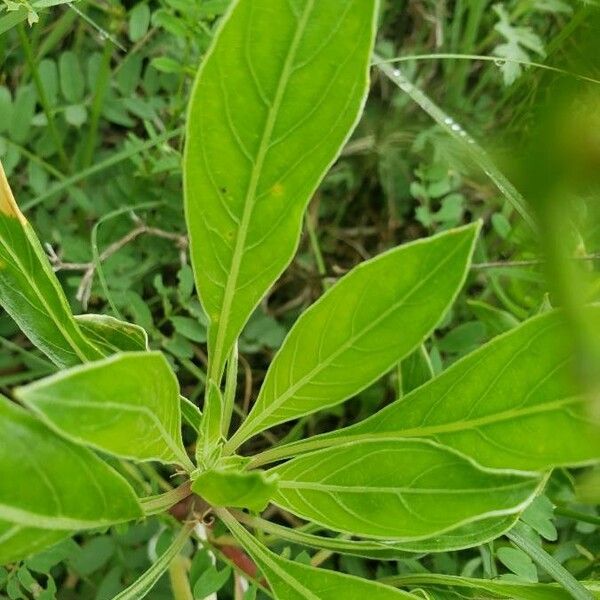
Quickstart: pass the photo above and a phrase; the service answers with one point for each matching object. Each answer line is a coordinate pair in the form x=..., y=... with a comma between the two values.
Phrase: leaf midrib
x=171, y=443
x=431, y=430
x=250, y=198
x=23, y=517
x=316, y=486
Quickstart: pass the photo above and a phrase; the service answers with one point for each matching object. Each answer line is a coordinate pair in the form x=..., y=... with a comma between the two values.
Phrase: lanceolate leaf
x=50, y=483
x=30, y=292
x=514, y=403
x=18, y=541
x=498, y=588
x=127, y=405
x=110, y=335
x=270, y=110
x=466, y=536
x=397, y=489
x=369, y=321
x=290, y=580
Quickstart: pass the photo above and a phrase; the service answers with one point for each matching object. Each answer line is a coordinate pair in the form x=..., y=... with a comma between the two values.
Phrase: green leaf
x=111, y=335
x=12, y=19
x=466, y=536
x=251, y=490
x=190, y=413
x=540, y=517
x=369, y=321
x=398, y=489
x=126, y=405
x=72, y=81
x=76, y=115
x=497, y=321
x=270, y=110
x=291, y=580
x=30, y=292
x=189, y=328
x=55, y=484
x=210, y=427
x=500, y=588
x=514, y=403
x=139, y=21
x=23, y=112
x=527, y=541
x=518, y=562
x=210, y=582
x=18, y=541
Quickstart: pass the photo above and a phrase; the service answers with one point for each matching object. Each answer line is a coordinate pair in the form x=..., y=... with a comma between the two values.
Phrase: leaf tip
x=8, y=204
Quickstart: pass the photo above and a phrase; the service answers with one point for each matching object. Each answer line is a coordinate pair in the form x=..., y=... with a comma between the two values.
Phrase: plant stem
x=230, y=389
x=58, y=143
x=499, y=264
x=97, y=103
x=101, y=166
x=578, y=516
x=518, y=536
x=314, y=244
x=160, y=503
x=178, y=575
x=485, y=58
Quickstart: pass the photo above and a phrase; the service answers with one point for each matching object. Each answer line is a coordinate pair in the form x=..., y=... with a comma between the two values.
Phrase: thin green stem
x=29, y=57
x=518, y=536
x=97, y=103
x=194, y=370
x=230, y=390
x=316, y=249
x=115, y=159
x=154, y=505
x=33, y=157
x=483, y=57
x=578, y=516
x=96, y=257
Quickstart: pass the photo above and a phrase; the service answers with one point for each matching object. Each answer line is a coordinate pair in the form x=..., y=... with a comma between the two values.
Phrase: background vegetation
x=92, y=102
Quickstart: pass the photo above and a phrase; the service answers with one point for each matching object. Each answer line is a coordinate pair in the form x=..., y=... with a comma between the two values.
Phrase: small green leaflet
x=251, y=490
x=30, y=292
x=514, y=403
x=270, y=111
x=126, y=405
x=110, y=335
x=369, y=321
x=290, y=580
x=499, y=588
x=398, y=489
x=55, y=484
x=18, y=541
